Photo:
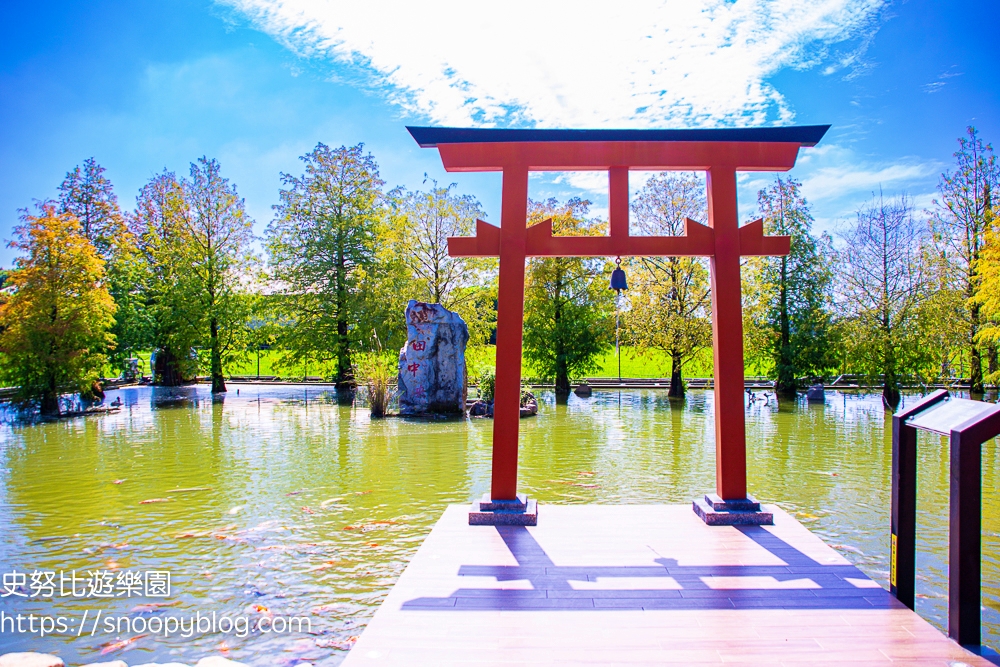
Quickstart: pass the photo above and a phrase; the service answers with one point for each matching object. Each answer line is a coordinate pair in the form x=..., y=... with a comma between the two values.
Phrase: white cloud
x=837, y=182
x=831, y=182
x=581, y=63
x=833, y=171
x=941, y=81
x=591, y=181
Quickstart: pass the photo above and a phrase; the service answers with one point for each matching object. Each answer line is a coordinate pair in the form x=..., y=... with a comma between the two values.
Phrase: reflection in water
x=279, y=501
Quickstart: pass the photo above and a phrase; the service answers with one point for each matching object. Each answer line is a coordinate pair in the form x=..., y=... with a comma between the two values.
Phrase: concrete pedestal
x=518, y=512
x=715, y=511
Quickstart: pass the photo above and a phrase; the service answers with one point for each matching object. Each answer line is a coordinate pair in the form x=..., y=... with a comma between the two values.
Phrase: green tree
x=959, y=224
x=670, y=297
x=192, y=238
x=88, y=195
x=216, y=264
x=325, y=245
x=941, y=316
x=159, y=228
x=796, y=288
x=568, y=308
x=56, y=323
x=466, y=285
x=987, y=297
x=883, y=286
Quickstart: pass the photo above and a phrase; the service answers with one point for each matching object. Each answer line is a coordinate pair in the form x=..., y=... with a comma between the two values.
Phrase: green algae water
x=279, y=504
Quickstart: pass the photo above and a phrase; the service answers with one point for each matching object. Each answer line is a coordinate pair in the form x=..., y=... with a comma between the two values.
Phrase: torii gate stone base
x=720, y=154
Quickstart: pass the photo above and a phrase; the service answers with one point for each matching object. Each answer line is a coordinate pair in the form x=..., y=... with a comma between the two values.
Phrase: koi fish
x=192, y=533
x=152, y=606
x=121, y=644
x=323, y=566
x=341, y=644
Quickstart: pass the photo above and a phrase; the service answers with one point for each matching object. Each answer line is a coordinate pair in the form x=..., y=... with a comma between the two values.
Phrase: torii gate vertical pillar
x=727, y=336
x=510, y=318
x=730, y=503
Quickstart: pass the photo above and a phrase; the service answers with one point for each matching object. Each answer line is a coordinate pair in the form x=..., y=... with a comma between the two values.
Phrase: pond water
x=279, y=503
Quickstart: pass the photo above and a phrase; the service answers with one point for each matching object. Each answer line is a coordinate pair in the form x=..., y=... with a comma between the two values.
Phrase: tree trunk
x=785, y=386
x=562, y=379
x=562, y=372
x=991, y=360
x=346, y=386
x=345, y=383
x=890, y=383
x=165, y=371
x=218, y=381
x=976, y=359
x=976, y=372
x=890, y=397
x=50, y=399
x=676, y=379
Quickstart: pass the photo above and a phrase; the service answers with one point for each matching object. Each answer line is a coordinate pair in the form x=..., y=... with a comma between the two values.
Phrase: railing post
x=903, y=536
x=964, y=539
x=902, y=548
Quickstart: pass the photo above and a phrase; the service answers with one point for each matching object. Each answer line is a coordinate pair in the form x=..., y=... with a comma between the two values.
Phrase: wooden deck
x=640, y=585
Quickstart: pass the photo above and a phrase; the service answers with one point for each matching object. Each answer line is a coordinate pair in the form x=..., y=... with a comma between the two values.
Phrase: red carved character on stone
x=421, y=314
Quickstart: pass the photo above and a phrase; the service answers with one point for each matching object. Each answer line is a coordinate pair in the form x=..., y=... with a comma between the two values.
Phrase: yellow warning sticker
x=892, y=562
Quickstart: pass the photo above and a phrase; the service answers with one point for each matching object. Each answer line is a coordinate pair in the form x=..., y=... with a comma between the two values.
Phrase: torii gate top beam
x=751, y=149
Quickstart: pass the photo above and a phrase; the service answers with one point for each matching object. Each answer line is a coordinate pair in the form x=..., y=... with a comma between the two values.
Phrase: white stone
x=432, y=377
x=30, y=660
x=113, y=663
x=218, y=661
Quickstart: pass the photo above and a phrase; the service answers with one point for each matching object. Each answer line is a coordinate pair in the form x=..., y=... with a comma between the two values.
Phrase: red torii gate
x=720, y=153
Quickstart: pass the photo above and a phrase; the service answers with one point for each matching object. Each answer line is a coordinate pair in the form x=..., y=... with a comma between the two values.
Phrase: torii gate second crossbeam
x=721, y=154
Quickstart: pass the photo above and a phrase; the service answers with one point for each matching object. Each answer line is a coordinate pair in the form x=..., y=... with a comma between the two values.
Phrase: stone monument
x=432, y=377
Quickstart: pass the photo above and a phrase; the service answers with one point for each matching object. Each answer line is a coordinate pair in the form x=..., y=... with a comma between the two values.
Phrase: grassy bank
x=634, y=364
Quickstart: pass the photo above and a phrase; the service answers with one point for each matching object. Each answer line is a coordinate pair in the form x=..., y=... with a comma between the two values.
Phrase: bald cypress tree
x=960, y=225
x=56, y=324
x=88, y=195
x=568, y=308
x=324, y=247
x=797, y=290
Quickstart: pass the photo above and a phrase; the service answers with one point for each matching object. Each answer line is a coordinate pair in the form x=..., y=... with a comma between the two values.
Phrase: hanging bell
x=618, y=282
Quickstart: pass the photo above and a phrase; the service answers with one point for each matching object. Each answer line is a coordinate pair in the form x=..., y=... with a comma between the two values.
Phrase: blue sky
x=143, y=86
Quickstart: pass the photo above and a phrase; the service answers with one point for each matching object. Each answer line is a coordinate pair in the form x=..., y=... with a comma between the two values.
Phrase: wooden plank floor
x=640, y=585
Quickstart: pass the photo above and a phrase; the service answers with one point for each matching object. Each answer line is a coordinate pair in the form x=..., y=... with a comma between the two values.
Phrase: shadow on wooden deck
x=816, y=586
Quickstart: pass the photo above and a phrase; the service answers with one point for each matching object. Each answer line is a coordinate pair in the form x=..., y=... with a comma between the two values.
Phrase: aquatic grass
x=376, y=371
